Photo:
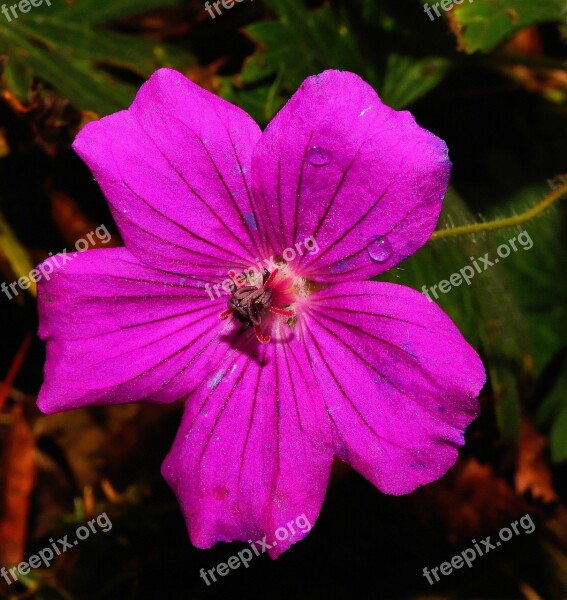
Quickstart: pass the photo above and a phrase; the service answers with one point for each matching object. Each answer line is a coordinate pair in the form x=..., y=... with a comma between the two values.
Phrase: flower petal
x=400, y=381
x=254, y=450
x=118, y=331
x=366, y=181
x=175, y=170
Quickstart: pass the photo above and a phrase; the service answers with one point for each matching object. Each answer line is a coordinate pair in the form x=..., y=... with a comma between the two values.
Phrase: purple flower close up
x=308, y=360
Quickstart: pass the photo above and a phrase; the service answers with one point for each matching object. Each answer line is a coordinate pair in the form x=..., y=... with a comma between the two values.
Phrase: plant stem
x=536, y=210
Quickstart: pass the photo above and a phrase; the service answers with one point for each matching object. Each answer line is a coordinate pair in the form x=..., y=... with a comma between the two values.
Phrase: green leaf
x=483, y=24
x=301, y=42
x=407, y=79
x=63, y=45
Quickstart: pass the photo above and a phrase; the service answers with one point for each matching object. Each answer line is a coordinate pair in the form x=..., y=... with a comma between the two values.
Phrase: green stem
x=536, y=210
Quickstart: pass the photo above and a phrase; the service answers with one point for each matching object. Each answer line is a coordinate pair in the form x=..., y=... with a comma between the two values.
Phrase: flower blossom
x=243, y=288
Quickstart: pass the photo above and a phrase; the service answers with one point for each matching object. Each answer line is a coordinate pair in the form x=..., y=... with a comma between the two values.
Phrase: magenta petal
x=118, y=331
x=400, y=381
x=175, y=170
x=254, y=450
x=366, y=181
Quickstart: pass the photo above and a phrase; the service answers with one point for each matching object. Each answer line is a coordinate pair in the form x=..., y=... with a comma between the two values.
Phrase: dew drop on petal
x=380, y=250
x=319, y=157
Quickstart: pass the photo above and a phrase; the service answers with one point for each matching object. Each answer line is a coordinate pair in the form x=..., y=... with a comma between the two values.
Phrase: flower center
x=251, y=304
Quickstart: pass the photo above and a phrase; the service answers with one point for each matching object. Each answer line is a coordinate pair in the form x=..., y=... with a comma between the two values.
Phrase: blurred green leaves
x=297, y=44
x=483, y=24
x=65, y=45
x=300, y=42
x=408, y=79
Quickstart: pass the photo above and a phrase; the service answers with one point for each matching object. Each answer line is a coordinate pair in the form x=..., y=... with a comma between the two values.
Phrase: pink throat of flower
x=250, y=304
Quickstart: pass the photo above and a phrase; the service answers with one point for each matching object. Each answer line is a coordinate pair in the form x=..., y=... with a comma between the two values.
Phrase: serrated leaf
x=316, y=38
x=483, y=24
x=63, y=45
x=301, y=42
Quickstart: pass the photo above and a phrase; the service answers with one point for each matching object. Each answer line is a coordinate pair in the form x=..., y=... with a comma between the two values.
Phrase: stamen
x=235, y=279
x=263, y=339
x=281, y=311
x=250, y=303
x=226, y=313
x=271, y=278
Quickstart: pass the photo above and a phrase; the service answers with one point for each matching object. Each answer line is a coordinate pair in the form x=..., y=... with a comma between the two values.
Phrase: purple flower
x=309, y=360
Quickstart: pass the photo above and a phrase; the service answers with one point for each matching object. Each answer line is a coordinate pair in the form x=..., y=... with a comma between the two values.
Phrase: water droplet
x=380, y=250
x=319, y=157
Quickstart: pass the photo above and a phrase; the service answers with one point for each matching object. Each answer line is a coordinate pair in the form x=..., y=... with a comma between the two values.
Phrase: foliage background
x=490, y=77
